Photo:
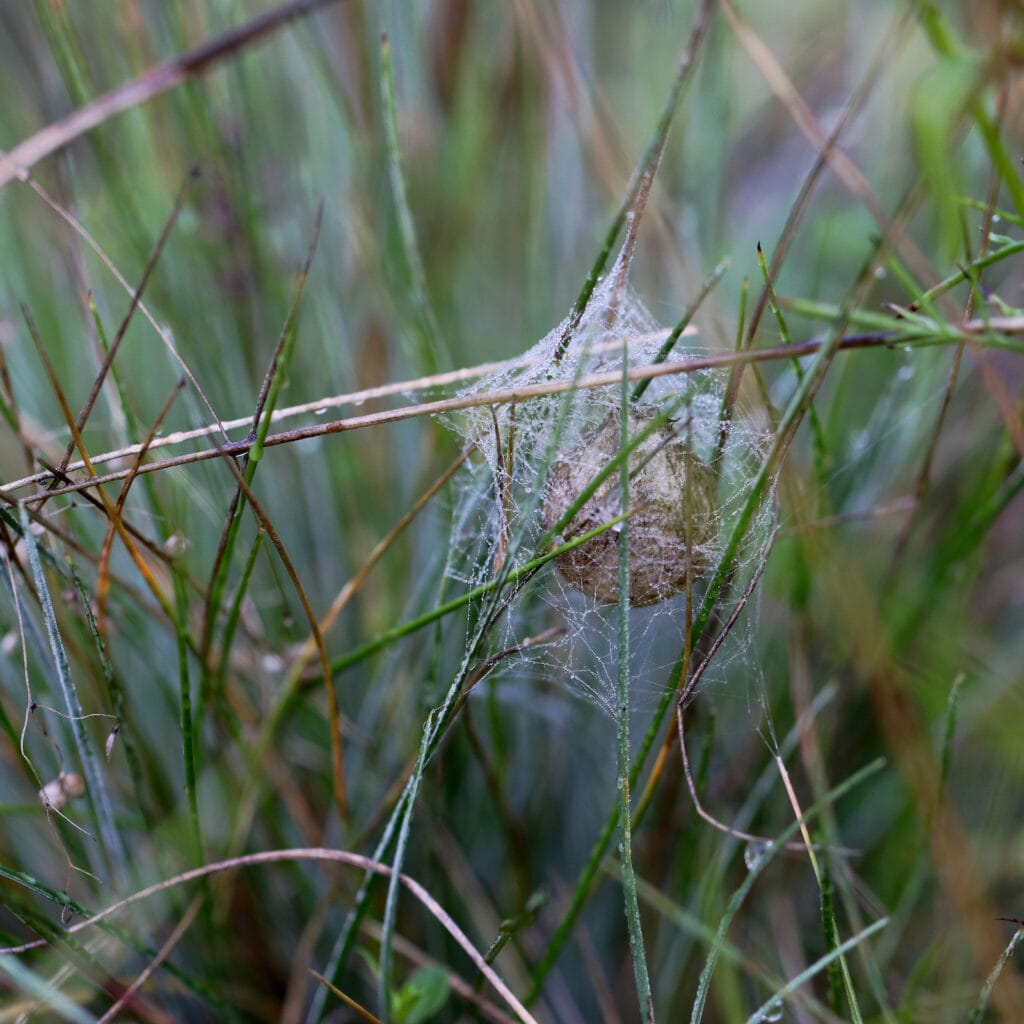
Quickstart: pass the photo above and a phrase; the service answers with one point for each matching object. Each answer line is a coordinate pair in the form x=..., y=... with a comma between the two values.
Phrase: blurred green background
x=888, y=622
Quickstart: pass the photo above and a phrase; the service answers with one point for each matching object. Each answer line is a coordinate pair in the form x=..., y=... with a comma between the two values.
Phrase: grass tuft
x=299, y=717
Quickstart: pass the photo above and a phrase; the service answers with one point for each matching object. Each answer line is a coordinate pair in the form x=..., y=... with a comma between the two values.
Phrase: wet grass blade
x=109, y=834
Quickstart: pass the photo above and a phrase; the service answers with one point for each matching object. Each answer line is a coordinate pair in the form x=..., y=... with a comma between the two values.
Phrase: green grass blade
x=109, y=834
x=188, y=739
x=385, y=986
x=644, y=170
x=831, y=930
x=978, y=1013
x=821, y=459
x=39, y=988
x=623, y=706
x=115, y=694
x=676, y=333
x=274, y=381
x=431, y=352
x=766, y=1010
x=741, y=893
x=945, y=42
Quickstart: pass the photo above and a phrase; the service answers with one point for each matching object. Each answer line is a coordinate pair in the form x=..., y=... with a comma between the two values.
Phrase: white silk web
x=689, y=473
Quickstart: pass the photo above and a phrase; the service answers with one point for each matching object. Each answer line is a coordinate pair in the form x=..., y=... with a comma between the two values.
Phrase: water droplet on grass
x=755, y=851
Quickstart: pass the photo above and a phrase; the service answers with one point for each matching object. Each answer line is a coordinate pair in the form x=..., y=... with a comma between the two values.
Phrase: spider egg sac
x=672, y=498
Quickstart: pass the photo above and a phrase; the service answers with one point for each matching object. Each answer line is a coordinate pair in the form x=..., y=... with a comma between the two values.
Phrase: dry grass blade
x=468, y=992
x=503, y=397
x=562, y=174
x=79, y=229
x=333, y=713
x=842, y=166
x=356, y=860
x=1008, y=326
x=351, y=588
x=127, y=998
x=346, y=999
x=253, y=449
x=151, y=262
x=16, y=162
x=318, y=407
x=103, y=574
x=113, y=512
x=353, y=398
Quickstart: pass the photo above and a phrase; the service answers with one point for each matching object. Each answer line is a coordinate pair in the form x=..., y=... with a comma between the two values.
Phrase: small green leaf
x=422, y=996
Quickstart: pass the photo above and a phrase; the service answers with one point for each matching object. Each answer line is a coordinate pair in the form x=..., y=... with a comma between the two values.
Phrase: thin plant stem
x=817, y=431
x=44, y=991
x=622, y=709
x=891, y=333
x=756, y=494
x=272, y=383
x=346, y=999
x=313, y=854
x=387, y=936
x=147, y=972
x=110, y=836
x=188, y=738
x=978, y=1012
x=756, y=869
x=431, y=350
x=233, y=617
x=645, y=169
x=765, y=1012
x=115, y=346
x=676, y=333
x=333, y=714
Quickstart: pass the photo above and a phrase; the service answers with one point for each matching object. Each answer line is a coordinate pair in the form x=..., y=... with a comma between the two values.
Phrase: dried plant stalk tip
x=54, y=795
x=672, y=526
x=73, y=784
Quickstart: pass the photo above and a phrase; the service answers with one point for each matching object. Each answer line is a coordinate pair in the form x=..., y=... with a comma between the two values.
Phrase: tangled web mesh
x=688, y=480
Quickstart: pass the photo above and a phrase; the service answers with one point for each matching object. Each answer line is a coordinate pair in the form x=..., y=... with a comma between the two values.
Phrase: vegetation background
x=888, y=619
